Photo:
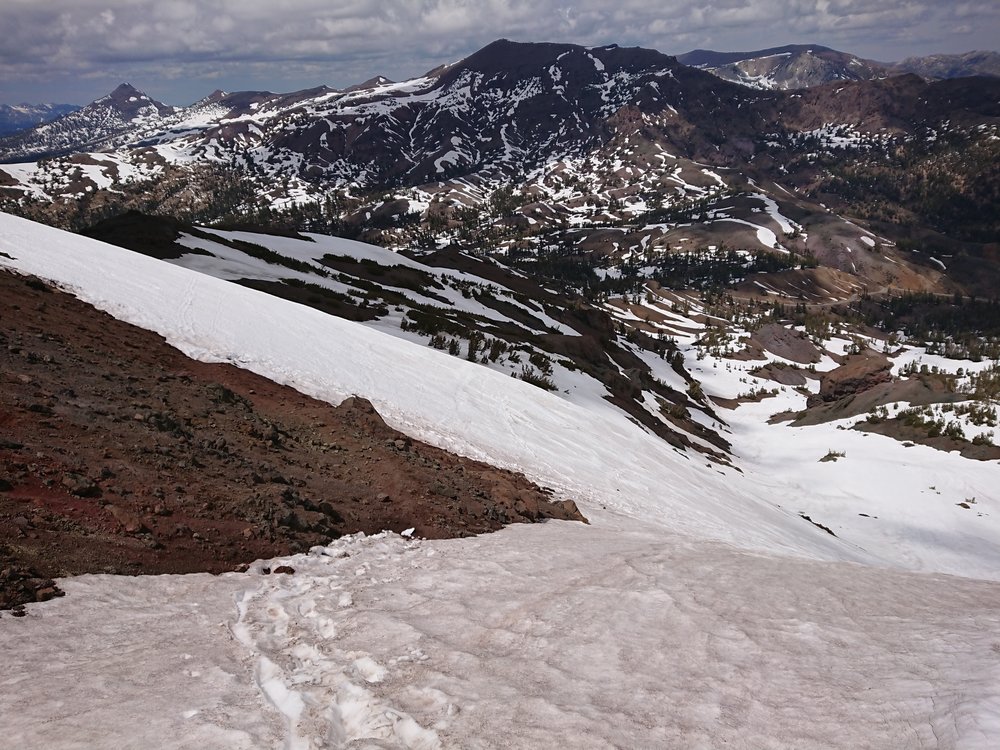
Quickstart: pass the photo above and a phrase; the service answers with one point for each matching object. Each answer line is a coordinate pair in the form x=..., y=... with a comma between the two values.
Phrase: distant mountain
x=93, y=127
x=794, y=66
x=952, y=66
x=504, y=110
x=797, y=66
x=15, y=117
x=508, y=106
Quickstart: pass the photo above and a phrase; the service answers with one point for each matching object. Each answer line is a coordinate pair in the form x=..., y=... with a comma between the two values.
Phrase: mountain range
x=511, y=147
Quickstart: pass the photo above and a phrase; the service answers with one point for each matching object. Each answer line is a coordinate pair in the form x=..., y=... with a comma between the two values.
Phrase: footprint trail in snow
x=329, y=695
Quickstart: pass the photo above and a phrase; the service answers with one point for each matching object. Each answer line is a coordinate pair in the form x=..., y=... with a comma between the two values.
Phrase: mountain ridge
x=795, y=66
x=547, y=137
x=97, y=125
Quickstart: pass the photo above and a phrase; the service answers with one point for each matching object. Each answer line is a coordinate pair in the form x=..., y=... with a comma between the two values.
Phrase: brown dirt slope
x=119, y=454
x=781, y=342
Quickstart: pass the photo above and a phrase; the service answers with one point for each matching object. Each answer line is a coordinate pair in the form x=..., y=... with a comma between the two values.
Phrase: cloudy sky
x=180, y=50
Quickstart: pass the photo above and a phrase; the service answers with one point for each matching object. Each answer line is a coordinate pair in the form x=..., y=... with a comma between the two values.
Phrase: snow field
x=616, y=635
x=132, y=663
x=903, y=504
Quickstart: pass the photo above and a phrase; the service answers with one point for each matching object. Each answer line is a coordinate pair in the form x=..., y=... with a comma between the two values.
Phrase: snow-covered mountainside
x=695, y=586
x=454, y=403
x=473, y=307
x=103, y=123
x=575, y=443
x=14, y=117
x=704, y=376
x=795, y=66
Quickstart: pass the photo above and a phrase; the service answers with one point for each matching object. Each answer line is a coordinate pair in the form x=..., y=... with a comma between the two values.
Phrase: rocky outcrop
x=20, y=584
x=782, y=342
x=858, y=374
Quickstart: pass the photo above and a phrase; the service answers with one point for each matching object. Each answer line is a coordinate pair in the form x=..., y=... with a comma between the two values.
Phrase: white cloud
x=343, y=42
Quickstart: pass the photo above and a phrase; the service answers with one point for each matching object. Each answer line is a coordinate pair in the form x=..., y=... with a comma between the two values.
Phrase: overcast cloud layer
x=180, y=50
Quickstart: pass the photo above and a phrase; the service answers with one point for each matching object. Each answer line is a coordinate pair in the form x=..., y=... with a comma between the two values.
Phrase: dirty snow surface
x=695, y=611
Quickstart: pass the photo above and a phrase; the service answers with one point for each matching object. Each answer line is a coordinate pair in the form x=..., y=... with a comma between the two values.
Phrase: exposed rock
x=783, y=342
x=80, y=485
x=130, y=522
x=899, y=430
x=224, y=468
x=918, y=390
x=49, y=592
x=782, y=374
x=20, y=584
x=858, y=374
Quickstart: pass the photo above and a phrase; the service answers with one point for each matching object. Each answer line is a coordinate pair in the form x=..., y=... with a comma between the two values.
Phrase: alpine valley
x=726, y=324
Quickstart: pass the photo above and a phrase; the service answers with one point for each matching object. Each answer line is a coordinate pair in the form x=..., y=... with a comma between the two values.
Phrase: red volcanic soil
x=119, y=454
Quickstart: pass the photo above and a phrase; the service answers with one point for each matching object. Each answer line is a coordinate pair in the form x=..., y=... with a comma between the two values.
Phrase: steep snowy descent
x=687, y=614
x=912, y=503
x=599, y=458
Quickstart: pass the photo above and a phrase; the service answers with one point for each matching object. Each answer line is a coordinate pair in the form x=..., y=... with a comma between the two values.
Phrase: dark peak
x=504, y=55
x=124, y=93
x=122, y=89
x=528, y=58
x=130, y=101
x=370, y=83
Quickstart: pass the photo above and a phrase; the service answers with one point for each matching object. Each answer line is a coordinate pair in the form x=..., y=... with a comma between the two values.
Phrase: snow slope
x=692, y=612
x=599, y=459
x=925, y=509
x=905, y=505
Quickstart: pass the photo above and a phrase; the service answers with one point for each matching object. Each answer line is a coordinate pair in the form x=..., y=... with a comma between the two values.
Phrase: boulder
x=858, y=374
